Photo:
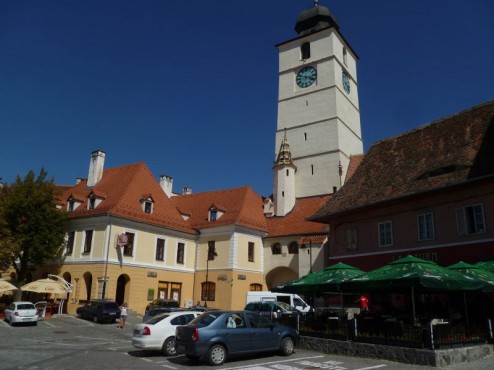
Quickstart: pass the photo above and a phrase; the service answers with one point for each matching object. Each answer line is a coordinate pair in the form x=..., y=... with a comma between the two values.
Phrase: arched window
x=276, y=248
x=255, y=287
x=293, y=248
x=305, y=51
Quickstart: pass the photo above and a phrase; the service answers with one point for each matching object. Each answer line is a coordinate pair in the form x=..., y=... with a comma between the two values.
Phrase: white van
x=292, y=299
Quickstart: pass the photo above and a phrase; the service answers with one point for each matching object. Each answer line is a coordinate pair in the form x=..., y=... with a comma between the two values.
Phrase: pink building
x=428, y=192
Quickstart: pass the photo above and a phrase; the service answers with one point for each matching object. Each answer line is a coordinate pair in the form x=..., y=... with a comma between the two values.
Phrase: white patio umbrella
x=45, y=286
x=5, y=286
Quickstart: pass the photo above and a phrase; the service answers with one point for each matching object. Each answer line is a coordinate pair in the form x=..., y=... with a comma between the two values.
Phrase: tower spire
x=284, y=154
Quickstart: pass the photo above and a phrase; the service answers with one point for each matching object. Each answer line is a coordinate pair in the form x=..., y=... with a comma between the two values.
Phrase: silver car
x=19, y=312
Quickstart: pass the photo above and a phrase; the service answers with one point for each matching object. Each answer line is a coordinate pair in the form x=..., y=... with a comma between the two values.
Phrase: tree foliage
x=32, y=229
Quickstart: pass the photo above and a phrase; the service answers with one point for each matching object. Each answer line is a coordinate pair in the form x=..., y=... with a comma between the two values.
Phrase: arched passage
x=68, y=278
x=122, y=292
x=280, y=275
x=88, y=281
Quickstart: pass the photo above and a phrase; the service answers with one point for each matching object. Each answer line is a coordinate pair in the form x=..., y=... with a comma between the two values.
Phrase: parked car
x=272, y=310
x=160, y=302
x=216, y=335
x=99, y=310
x=158, y=311
x=19, y=312
x=158, y=333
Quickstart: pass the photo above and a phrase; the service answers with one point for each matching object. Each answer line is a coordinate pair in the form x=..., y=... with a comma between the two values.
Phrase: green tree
x=32, y=229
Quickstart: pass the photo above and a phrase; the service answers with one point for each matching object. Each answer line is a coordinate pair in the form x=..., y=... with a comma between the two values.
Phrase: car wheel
x=216, y=355
x=95, y=319
x=168, y=348
x=287, y=346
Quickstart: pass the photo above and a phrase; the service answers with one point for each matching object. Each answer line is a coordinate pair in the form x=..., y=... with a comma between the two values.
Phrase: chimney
x=166, y=183
x=96, y=165
x=78, y=180
x=187, y=191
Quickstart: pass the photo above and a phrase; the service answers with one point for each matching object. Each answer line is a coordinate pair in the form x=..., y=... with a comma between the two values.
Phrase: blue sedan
x=216, y=335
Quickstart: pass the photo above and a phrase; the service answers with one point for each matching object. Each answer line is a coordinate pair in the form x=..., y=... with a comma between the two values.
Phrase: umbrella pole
x=413, y=305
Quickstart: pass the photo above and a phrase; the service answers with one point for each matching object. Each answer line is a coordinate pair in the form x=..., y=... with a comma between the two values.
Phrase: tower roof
x=315, y=19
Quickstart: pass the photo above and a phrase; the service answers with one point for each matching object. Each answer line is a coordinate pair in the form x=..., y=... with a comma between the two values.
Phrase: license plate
x=113, y=313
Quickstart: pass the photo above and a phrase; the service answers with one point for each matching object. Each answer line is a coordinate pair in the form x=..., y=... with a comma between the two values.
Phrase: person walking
x=123, y=315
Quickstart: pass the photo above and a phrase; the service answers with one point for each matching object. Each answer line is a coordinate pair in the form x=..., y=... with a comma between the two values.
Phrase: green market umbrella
x=487, y=265
x=476, y=272
x=326, y=280
x=412, y=274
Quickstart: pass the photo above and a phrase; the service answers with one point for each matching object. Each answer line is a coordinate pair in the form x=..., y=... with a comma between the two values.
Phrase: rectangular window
x=251, y=252
x=208, y=291
x=351, y=238
x=180, y=253
x=128, y=248
x=213, y=215
x=88, y=241
x=92, y=203
x=70, y=242
x=425, y=224
x=160, y=249
x=385, y=234
x=148, y=207
x=212, y=250
x=470, y=219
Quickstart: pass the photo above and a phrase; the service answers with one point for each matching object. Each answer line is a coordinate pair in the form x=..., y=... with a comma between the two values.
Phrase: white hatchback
x=158, y=333
x=19, y=312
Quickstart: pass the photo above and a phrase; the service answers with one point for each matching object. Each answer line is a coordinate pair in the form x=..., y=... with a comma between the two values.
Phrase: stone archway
x=279, y=275
x=122, y=292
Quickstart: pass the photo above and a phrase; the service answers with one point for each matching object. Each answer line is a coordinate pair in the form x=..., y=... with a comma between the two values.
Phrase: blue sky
x=190, y=87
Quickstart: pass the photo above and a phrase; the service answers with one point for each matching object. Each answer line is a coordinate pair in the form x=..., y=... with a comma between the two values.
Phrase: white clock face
x=306, y=76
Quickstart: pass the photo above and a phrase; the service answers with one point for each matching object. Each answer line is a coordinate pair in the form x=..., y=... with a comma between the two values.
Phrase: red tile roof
x=123, y=188
x=295, y=223
x=446, y=152
x=242, y=206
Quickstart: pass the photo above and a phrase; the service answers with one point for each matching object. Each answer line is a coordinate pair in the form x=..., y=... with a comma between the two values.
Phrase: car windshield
x=205, y=319
x=157, y=318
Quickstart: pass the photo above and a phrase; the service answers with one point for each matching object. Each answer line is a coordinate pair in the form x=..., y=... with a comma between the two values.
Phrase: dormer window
x=215, y=213
x=72, y=204
x=147, y=204
x=93, y=200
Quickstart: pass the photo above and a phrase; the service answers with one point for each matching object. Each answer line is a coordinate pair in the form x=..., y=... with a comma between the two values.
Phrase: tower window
x=312, y=168
x=305, y=51
x=305, y=136
x=345, y=56
x=287, y=173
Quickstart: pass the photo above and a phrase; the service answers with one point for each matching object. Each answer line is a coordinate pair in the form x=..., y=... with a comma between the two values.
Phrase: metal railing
x=435, y=334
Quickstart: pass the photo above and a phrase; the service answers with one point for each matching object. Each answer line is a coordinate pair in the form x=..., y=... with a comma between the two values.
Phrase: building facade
x=427, y=192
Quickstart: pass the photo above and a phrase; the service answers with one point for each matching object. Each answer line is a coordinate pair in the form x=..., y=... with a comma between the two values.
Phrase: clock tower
x=318, y=108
